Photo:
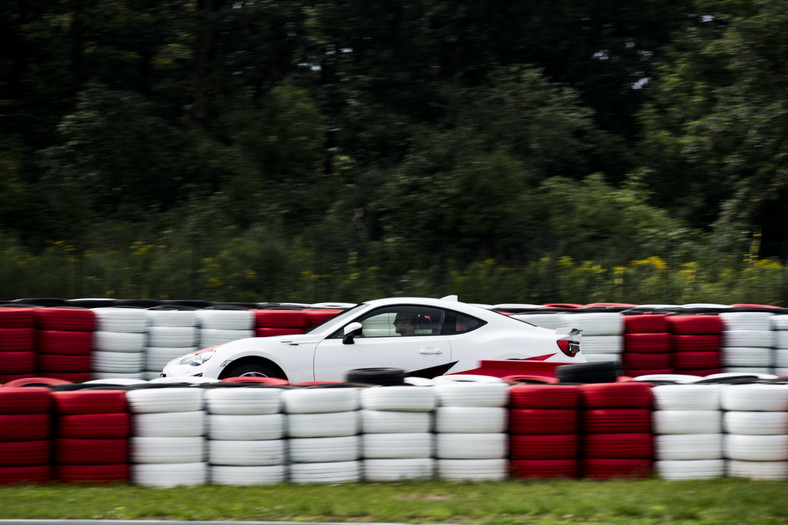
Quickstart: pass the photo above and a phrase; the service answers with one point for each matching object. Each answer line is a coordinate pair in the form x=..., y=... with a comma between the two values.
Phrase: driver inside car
x=405, y=323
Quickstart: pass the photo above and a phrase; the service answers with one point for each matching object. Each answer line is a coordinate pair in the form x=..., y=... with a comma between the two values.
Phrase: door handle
x=430, y=351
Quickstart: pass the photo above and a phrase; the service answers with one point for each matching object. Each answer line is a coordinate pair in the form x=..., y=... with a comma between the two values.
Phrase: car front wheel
x=252, y=370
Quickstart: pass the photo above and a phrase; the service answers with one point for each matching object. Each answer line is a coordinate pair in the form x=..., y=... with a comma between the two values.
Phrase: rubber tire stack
x=119, y=343
x=603, y=339
x=222, y=326
x=92, y=443
x=397, y=439
x=647, y=345
x=168, y=437
x=473, y=447
x=748, y=340
x=246, y=434
x=65, y=342
x=617, y=440
x=17, y=343
x=543, y=431
x=696, y=340
x=171, y=333
x=26, y=446
x=756, y=422
x=323, y=429
x=779, y=324
x=688, y=431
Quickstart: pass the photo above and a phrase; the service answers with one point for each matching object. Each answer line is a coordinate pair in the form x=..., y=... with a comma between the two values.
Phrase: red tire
x=544, y=468
x=70, y=318
x=554, y=446
x=638, y=361
x=25, y=453
x=543, y=421
x=639, y=468
x=281, y=319
x=695, y=324
x=25, y=400
x=12, y=317
x=696, y=360
x=25, y=427
x=697, y=343
x=93, y=473
x=17, y=362
x=616, y=420
x=17, y=339
x=630, y=394
x=647, y=342
x=86, y=451
x=90, y=401
x=63, y=363
x=266, y=331
x=29, y=474
x=625, y=445
x=645, y=323
x=38, y=381
x=94, y=425
x=65, y=342
x=544, y=396
x=317, y=315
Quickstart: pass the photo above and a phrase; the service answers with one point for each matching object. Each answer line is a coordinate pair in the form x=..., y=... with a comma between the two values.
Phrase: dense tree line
x=406, y=135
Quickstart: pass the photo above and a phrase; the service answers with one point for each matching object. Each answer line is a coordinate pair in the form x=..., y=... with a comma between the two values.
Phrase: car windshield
x=338, y=320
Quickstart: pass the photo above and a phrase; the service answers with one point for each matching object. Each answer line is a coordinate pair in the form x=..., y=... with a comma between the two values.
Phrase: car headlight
x=198, y=358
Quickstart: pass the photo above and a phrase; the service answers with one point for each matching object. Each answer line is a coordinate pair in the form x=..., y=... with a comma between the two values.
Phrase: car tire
x=600, y=372
x=376, y=376
x=252, y=370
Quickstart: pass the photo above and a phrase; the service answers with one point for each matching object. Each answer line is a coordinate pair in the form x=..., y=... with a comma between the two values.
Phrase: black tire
x=253, y=370
x=602, y=372
x=376, y=376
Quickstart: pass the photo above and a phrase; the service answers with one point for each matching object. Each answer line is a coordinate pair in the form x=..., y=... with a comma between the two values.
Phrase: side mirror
x=350, y=332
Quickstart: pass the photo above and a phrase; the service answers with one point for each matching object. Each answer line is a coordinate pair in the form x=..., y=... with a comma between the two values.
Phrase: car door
x=381, y=344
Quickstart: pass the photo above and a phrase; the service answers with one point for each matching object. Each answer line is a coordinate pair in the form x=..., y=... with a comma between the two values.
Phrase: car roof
x=449, y=302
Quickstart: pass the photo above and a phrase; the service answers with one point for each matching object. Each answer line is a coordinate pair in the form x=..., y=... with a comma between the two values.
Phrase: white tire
x=603, y=344
x=116, y=378
x=388, y=422
x=169, y=475
x=595, y=323
x=603, y=358
x=173, y=336
x=112, y=319
x=673, y=470
x=170, y=424
x=761, y=321
x=381, y=470
x=324, y=449
x=736, y=422
x=215, y=337
x=758, y=470
x=749, y=338
x=317, y=400
x=755, y=397
x=779, y=322
x=244, y=400
x=687, y=397
x=333, y=472
x=117, y=362
x=687, y=421
x=473, y=469
x=226, y=319
x=166, y=449
x=399, y=398
x=246, y=427
x=119, y=341
x=328, y=424
x=171, y=318
x=688, y=446
x=471, y=446
x=756, y=448
x=472, y=394
x=248, y=476
x=471, y=419
x=247, y=453
x=781, y=358
x=164, y=399
x=398, y=445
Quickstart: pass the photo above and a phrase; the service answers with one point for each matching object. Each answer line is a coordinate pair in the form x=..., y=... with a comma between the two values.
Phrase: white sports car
x=424, y=337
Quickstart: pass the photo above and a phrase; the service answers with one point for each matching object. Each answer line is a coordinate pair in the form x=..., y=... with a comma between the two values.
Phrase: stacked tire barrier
x=65, y=342
x=17, y=343
x=470, y=428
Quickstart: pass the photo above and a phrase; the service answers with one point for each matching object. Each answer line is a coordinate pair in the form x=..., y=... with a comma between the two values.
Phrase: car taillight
x=569, y=347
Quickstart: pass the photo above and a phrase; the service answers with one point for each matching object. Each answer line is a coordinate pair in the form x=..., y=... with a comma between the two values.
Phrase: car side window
x=403, y=321
x=457, y=323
